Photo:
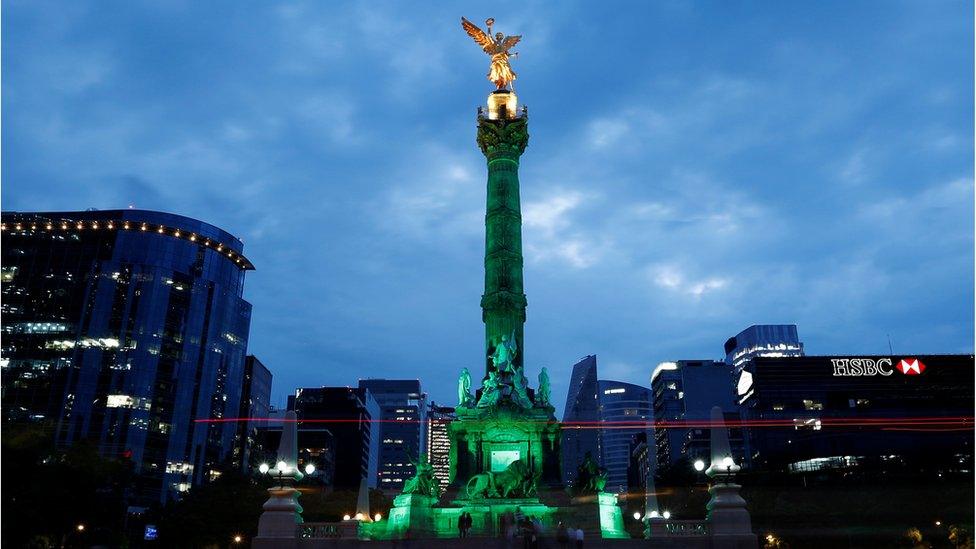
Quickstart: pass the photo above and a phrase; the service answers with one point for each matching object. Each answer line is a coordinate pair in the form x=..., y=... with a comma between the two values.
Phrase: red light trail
x=934, y=424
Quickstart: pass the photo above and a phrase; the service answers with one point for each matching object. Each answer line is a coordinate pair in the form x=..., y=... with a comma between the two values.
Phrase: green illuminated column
x=503, y=139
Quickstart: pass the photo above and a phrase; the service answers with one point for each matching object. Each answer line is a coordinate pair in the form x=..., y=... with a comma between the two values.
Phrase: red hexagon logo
x=911, y=366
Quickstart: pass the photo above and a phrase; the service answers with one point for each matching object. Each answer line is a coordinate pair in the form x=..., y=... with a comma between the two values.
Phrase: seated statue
x=590, y=477
x=423, y=481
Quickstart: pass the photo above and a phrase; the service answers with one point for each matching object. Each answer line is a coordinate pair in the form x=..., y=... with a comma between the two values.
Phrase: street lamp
x=377, y=517
x=263, y=468
x=666, y=515
x=80, y=527
x=699, y=465
x=238, y=538
x=309, y=469
x=637, y=515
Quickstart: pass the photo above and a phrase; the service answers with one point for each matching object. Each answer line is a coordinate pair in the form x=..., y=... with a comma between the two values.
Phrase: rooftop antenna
x=889, y=344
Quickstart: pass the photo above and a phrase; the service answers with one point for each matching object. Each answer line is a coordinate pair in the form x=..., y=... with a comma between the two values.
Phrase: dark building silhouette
x=872, y=394
x=343, y=418
x=255, y=406
x=685, y=391
x=122, y=327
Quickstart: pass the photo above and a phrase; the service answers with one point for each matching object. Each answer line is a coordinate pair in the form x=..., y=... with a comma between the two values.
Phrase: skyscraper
x=402, y=428
x=686, y=390
x=255, y=406
x=582, y=407
x=341, y=417
x=771, y=340
x=121, y=327
x=621, y=403
x=438, y=441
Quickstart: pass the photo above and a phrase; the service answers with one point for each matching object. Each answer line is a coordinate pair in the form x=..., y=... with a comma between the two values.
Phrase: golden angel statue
x=501, y=72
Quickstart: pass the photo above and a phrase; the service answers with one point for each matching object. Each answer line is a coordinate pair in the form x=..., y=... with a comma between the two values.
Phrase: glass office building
x=621, y=403
x=773, y=340
x=120, y=328
x=582, y=407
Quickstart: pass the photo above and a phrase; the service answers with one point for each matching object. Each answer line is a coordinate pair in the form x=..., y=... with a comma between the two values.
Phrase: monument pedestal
x=413, y=512
x=277, y=527
x=728, y=518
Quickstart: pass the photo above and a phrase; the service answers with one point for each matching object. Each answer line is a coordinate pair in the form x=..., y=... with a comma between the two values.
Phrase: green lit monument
x=505, y=442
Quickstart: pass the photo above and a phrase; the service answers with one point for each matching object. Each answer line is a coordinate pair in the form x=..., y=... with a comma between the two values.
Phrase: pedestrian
x=562, y=536
x=460, y=525
x=579, y=537
x=468, y=522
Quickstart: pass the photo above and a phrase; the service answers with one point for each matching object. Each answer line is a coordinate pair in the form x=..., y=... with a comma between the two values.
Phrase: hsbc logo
x=911, y=366
x=849, y=367
x=861, y=367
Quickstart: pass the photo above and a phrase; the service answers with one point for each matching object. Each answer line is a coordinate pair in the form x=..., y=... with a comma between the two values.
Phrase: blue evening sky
x=693, y=168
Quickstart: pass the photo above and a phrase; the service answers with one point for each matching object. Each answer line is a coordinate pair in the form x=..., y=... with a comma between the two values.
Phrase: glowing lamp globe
x=699, y=465
x=377, y=517
x=263, y=468
x=282, y=466
x=309, y=469
x=346, y=517
x=728, y=462
x=359, y=516
x=636, y=515
x=666, y=515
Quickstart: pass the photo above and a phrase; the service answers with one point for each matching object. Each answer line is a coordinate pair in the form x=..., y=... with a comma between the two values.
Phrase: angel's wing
x=510, y=42
x=479, y=35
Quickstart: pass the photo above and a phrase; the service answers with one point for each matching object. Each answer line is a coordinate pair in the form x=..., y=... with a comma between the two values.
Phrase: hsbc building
x=812, y=413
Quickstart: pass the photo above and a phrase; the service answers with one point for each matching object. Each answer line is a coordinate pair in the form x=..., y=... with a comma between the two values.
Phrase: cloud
x=549, y=230
x=673, y=278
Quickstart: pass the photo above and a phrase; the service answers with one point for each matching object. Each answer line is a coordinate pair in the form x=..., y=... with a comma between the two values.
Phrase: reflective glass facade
x=121, y=327
x=762, y=340
x=582, y=405
x=621, y=402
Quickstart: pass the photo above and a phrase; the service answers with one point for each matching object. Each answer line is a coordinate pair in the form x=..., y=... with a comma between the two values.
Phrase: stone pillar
x=278, y=525
x=729, y=521
x=502, y=138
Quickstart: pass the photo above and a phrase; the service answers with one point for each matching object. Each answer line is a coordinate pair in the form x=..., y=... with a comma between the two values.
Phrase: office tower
x=762, y=340
x=122, y=327
x=402, y=428
x=438, y=441
x=685, y=391
x=849, y=412
x=347, y=416
x=255, y=406
x=625, y=410
x=582, y=411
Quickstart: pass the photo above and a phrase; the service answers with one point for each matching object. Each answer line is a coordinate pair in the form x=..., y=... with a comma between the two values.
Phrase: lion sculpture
x=515, y=481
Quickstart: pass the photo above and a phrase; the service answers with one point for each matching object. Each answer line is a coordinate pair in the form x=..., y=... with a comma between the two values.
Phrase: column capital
x=503, y=139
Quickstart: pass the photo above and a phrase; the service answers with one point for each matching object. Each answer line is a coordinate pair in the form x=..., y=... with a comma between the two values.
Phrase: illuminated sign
x=745, y=383
x=150, y=532
x=846, y=367
x=911, y=366
x=861, y=366
x=500, y=459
